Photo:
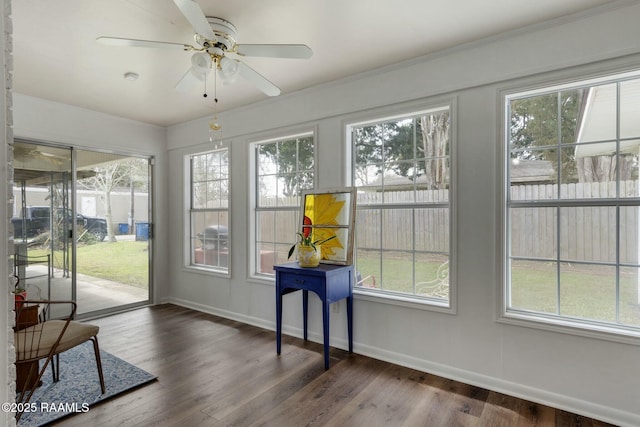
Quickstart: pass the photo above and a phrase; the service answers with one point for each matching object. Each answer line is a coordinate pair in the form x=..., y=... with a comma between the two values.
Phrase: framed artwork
x=328, y=213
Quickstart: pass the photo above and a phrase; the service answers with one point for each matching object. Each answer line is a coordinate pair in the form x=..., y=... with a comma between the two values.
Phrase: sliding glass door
x=86, y=217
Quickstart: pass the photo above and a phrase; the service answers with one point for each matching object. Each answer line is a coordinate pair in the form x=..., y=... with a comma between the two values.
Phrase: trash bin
x=142, y=231
x=123, y=228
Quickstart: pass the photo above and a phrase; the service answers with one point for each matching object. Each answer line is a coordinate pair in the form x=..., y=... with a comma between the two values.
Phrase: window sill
x=403, y=301
x=566, y=326
x=207, y=271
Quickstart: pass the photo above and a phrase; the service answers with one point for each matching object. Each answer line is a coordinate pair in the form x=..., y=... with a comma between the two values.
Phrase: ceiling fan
x=215, y=38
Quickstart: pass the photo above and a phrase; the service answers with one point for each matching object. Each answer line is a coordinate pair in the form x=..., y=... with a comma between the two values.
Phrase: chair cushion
x=36, y=341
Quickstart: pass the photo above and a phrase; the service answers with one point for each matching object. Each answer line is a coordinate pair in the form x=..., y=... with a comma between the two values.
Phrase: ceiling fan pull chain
x=204, y=95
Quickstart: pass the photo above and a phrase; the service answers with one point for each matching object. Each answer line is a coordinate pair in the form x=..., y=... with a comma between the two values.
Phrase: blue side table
x=330, y=282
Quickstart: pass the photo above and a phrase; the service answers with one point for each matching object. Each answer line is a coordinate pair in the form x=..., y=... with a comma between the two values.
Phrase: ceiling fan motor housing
x=224, y=30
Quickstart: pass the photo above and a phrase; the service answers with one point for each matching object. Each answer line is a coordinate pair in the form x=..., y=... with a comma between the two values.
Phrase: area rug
x=79, y=386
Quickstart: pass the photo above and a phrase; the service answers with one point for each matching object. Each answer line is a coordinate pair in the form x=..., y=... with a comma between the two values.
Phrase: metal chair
x=438, y=287
x=39, y=342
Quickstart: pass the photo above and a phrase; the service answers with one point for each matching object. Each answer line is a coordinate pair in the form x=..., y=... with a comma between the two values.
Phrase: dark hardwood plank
x=218, y=372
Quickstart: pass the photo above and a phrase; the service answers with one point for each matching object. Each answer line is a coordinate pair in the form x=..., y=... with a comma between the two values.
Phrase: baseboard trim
x=566, y=403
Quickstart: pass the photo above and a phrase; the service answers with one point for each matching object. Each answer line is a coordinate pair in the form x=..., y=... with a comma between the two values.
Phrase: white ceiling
x=57, y=58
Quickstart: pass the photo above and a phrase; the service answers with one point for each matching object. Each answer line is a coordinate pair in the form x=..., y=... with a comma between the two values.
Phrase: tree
x=535, y=134
x=293, y=159
x=408, y=147
x=110, y=176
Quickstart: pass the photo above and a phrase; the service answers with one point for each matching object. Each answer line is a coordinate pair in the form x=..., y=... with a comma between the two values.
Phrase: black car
x=214, y=237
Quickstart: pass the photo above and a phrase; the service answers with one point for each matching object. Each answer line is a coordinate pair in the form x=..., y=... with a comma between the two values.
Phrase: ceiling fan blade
x=293, y=51
x=257, y=80
x=196, y=18
x=190, y=80
x=117, y=41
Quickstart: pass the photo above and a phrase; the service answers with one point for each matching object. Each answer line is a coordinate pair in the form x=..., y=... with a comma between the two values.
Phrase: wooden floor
x=217, y=372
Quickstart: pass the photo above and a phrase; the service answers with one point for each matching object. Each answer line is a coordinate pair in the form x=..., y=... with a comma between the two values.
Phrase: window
x=284, y=168
x=573, y=206
x=209, y=210
x=401, y=170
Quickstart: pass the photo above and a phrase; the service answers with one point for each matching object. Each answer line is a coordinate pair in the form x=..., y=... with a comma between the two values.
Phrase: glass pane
x=198, y=195
x=285, y=226
x=267, y=187
x=588, y=291
x=568, y=166
x=368, y=228
x=629, y=238
x=433, y=174
x=533, y=122
x=533, y=232
x=534, y=286
x=199, y=168
x=598, y=122
x=214, y=194
x=533, y=174
x=397, y=229
x=432, y=196
x=397, y=271
x=432, y=230
x=117, y=213
x=630, y=109
x=266, y=257
x=368, y=268
x=265, y=226
x=432, y=275
x=629, y=184
x=368, y=144
x=369, y=195
x=588, y=234
x=570, y=104
x=394, y=195
x=306, y=157
x=629, y=296
x=210, y=239
x=267, y=155
x=433, y=139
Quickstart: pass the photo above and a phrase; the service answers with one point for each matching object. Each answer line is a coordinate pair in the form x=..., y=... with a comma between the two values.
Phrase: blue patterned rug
x=79, y=386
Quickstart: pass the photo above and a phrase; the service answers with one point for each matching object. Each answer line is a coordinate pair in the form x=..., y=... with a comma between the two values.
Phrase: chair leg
x=96, y=349
x=55, y=368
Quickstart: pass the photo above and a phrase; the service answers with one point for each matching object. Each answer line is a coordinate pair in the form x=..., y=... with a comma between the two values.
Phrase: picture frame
x=326, y=213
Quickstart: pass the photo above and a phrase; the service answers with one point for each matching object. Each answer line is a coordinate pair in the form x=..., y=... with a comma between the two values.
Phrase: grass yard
x=124, y=262
x=587, y=292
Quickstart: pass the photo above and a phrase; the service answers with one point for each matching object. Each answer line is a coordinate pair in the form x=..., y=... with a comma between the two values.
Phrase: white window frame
x=189, y=232
x=556, y=323
x=399, y=112
x=284, y=241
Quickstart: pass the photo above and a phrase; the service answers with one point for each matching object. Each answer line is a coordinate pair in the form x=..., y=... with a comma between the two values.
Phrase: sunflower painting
x=328, y=214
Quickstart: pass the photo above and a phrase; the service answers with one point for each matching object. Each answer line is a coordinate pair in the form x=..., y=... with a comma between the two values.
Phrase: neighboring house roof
x=598, y=121
x=529, y=171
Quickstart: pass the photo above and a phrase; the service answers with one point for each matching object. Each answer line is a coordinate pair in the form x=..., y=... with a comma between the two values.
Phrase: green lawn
x=125, y=262
x=587, y=292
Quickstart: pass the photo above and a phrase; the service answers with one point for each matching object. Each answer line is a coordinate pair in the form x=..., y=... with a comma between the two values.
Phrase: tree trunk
x=435, y=137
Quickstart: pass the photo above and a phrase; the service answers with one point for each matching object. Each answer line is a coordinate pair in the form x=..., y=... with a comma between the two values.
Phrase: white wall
x=589, y=376
x=7, y=317
x=40, y=120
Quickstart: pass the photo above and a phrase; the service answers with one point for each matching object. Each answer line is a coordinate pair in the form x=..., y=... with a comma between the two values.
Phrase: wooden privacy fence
x=389, y=229
x=583, y=233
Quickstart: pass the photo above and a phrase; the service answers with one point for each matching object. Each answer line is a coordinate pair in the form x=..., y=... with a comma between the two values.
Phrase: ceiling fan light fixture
x=201, y=62
x=228, y=70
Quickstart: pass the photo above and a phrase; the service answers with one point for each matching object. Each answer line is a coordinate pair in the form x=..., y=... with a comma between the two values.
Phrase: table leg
x=325, y=330
x=278, y=322
x=305, y=311
x=350, y=322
